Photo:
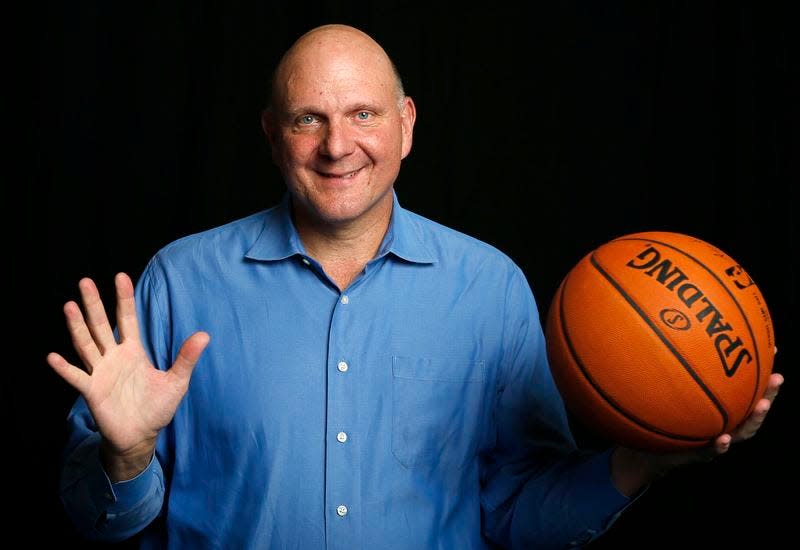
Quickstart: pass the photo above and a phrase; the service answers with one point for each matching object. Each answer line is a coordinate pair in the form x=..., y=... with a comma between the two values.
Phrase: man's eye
x=363, y=115
x=307, y=119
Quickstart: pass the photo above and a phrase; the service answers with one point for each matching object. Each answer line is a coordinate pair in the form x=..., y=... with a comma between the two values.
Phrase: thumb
x=188, y=356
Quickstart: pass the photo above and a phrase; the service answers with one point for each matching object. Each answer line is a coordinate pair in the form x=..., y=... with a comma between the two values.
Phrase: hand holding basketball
x=631, y=469
x=662, y=342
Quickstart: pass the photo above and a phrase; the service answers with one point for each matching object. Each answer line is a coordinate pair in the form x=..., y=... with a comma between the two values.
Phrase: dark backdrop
x=544, y=130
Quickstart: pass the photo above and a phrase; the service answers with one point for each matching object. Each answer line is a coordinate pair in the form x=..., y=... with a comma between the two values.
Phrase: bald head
x=339, y=127
x=330, y=44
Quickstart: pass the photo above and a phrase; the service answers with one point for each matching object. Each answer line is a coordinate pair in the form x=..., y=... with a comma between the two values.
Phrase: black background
x=544, y=130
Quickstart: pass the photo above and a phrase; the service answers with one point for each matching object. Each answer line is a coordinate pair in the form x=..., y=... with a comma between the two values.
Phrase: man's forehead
x=346, y=87
x=328, y=102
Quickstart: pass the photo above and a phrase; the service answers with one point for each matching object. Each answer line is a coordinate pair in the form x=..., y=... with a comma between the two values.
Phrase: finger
x=722, y=444
x=127, y=323
x=96, y=317
x=754, y=421
x=773, y=386
x=82, y=339
x=74, y=376
x=190, y=352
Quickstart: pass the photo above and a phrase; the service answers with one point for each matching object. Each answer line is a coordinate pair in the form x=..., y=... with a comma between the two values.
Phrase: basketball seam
x=735, y=301
x=663, y=339
x=616, y=406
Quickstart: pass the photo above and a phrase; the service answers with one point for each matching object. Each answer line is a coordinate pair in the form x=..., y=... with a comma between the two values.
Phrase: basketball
x=659, y=341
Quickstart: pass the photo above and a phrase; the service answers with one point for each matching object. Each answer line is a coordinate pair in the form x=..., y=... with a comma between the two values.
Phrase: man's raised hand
x=128, y=397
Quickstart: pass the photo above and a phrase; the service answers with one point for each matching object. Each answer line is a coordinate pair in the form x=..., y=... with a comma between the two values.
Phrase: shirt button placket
x=343, y=479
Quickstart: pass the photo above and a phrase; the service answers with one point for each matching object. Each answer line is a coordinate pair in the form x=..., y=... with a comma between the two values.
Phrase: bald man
x=374, y=380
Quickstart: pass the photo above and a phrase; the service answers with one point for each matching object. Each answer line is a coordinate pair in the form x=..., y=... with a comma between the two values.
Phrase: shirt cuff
x=122, y=495
x=602, y=503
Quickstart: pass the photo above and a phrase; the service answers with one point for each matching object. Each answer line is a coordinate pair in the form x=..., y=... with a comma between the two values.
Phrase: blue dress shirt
x=414, y=410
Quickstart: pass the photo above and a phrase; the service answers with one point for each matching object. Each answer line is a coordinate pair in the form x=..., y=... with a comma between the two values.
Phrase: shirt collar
x=279, y=239
x=404, y=238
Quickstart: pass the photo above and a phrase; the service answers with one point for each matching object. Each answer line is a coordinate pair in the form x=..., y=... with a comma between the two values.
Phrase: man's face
x=338, y=130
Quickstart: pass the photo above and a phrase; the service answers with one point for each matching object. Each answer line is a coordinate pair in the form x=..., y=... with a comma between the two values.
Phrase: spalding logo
x=733, y=352
x=675, y=319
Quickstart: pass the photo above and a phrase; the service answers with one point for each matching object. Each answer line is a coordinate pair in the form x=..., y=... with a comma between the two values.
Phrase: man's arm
x=538, y=490
x=111, y=484
x=99, y=507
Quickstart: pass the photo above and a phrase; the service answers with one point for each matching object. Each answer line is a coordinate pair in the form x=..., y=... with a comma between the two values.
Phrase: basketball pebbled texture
x=660, y=341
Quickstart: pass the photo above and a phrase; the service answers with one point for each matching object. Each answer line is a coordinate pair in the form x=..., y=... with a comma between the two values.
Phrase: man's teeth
x=342, y=176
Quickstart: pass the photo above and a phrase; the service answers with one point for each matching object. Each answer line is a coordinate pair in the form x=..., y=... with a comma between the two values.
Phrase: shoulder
x=478, y=272
x=221, y=244
x=455, y=248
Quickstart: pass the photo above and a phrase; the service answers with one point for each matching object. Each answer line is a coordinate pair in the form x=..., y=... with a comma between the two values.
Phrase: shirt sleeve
x=98, y=508
x=538, y=489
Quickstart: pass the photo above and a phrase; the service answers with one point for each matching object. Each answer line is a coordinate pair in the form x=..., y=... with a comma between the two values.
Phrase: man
x=375, y=380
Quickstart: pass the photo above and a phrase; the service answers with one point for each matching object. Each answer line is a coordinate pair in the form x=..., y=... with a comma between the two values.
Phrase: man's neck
x=344, y=249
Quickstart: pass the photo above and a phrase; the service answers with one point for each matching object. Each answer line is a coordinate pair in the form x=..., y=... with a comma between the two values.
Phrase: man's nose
x=338, y=140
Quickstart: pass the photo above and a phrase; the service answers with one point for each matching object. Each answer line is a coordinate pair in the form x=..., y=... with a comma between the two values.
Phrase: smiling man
x=374, y=379
x=339, y=124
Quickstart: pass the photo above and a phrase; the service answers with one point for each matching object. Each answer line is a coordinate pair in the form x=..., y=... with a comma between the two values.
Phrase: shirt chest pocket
x=437, y=411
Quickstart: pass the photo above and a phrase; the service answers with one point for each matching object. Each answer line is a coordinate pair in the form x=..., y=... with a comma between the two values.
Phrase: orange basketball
x=660, y=341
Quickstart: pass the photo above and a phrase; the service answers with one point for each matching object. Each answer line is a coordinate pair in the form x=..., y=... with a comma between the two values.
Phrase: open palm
x=129, y=399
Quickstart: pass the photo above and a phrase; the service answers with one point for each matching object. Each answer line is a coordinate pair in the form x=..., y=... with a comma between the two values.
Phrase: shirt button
x=305, y=261
x=341, y=437
x=342, y=366
x=341, y=510
x=345, y=299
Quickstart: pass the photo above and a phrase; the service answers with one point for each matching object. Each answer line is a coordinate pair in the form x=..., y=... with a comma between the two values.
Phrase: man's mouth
x=340, y=175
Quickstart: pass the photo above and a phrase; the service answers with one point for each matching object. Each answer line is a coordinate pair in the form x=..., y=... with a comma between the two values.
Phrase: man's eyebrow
x=314, y=110
x=297, y=111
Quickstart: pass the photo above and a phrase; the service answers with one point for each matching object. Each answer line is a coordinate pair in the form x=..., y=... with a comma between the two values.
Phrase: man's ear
x=269, y=124
x=408, y=115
